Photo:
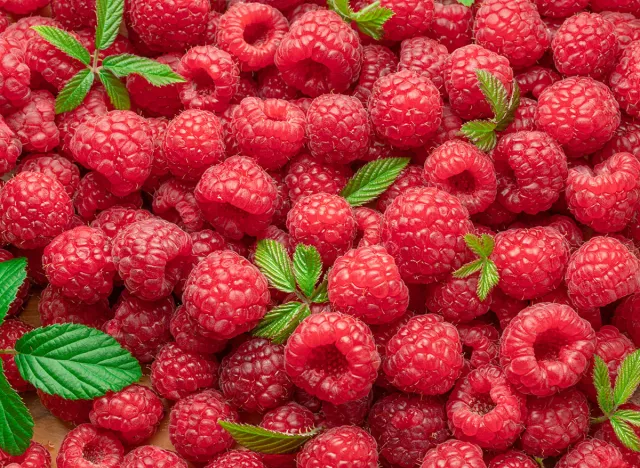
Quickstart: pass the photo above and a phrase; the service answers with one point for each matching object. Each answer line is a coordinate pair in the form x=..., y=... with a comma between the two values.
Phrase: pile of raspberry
x=143, y=223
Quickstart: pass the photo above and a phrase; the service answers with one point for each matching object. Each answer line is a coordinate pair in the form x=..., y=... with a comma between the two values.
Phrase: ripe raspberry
x=452, y=24
x=377, y=61
x=351, y=413
x=149, y=456
x=88, y=445
x=600, y=272
x=512, y=459
x=34, y=124
x=93, y=196
x=236, y=458
x=73, y=411
x=193, y=428
x=291, y=418
x=345, y=445
x=272, y=86
x=270, y=131
x=626, y=6
x=113, y=220
x=626, y=139
x=10, y=332
x=159, y=166
x=54, y=307
x=410, y=19
x=456, y=299
x=524, y=118
x=54, y=166
x=461, y=82
x=546, y=348
x=74, y=14
x=411, y=176
x=156, y=100
x=324, y=221
x=560, y=9
x=560, y=295
x=593, y=453
x=320, y=54
x=337, y=129
x=14, y=75
x=479, y=345
x=626, y=27
x=50, y=63
x=174, y=201
x=579, y=113
x=21, y=32
x=369, y=224
x=536, y=79
x=203, y=243
x=36, y=456
x=307, y=176
x=190, y=336
x=454, y=453
x=10, y=148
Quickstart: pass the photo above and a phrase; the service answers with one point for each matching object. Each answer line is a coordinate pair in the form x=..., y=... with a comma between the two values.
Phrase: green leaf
x=481, y=133
x=16, y=424
x=75, y=361
x=628, y=378
x=12, y=274
x=514, y=103
x=371, y=19
x=372, y=180
x=264, y=441
x=156, y=73
x=307, y=267
x=602, y=382
x=65, y=42
x=467, y=3
x=74, y=92
x=630, y=416
x=625, y=433
x=494, y=92
x=475, y=244
x=109, y=16
x=118, y=94
x=320, y=295
x=468, y=269
x=281, y=321
x=341, y=7
x=488, y=279
x=273, y=260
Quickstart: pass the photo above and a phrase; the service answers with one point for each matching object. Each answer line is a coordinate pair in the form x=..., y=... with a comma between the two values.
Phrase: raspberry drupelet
x=342, y=445
x=10, y=148
x=454, y=453
x=426, y=57
x=113, y=220
x=369, y=226
x=480, y=344
x=88, y=445
x=536, y=79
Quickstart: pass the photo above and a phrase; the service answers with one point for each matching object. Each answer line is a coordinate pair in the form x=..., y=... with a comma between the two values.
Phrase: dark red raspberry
x=10, y=332
x=461, y=81
x=512, y=459
x=271, y=131
x=73, y=411
x=193, y=428
x=369, y=226
x=54, y=307
x=524, y=118
x=14, y=74
x=10, y=148
x=454, y=453
x=496, y=216
x=54, y=166
x=623, y=80
x=34, y=124
x=320, y=54
x=560, y=9
x=113, y=220
x=452, y=24
x=411, y=176
x=536, y=79
x=546, y=348
x=479, y=344
x=88, y=445
x=348, y=445
x=627, y=6
x=351, y=413
x=593, y=453
x=377, y=61
x=36, y=456
x=291, y=418
x=307, y=176
x=283, y=200
x=295, y=13
x=156, y=100
x=48, y=62
x=627, y=27
x=159, y=166
x=505, y=307
x=203, y=243
x=149, y=456
x=93, y=196
x=190, y=336
x=236, y=458
x=626, y=139
x=272, y=86
x=600, y=272
x=456, y=299
x=174, y=201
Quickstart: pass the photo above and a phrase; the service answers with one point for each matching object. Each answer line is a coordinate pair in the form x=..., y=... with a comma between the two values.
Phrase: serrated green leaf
x=488, y=279
x=494, y=92
x=467, y=3
x=371, y=19
x=307, y=267
x=373, y=179
x=602, y=382
x=12, y=274
x=265, y=441
x=468, y=269
x=16, y=424
x=109, y=16
x=74, y=92
x=625, y=433
x=481, y=133
x=116, y=90
x=341, y=7
x=628, y=378
x=274, y=263
x=156, y=73
x=475, y=244
x=487, y=245
x=75, y=361
x=65, y=42
x=514, y=103
x=281, y=321
x=321, y=294
x=630, y=416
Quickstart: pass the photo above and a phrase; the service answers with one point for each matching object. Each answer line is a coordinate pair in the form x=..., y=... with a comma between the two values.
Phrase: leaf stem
x=599, y=420
x=94, y=66
x=8, y=351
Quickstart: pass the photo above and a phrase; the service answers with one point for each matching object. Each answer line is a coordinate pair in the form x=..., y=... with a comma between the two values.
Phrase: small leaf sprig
x=482, y=133
x=110, y=69
x=266, y=441
x=369, y=20
x=467, y=3
x=489, y=277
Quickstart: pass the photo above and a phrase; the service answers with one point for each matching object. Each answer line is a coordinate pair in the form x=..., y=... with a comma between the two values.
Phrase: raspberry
x=156, y=100
x=479, y=345
x=113, y=220
x=117, y=145
x=175, y=202
x=546, y=348
x=627, y=6
x=149, y=456
x=10, y=332
x=203, y=243
x=345, y=445
x=411, y=176
x=605, y=198
x=320, y=54
x=579, y=113
x=586, y=44
x=73, y=411
x=159, y=166
x=21, y=32
x=377, y=61
x=626, y=27
x=623, y=80
x=560, y=295
x=88, y=445
x=536, y=79
x=271, y=131
x=321, y=357
x=212, y=78
x=236, y=458
x=194, y=429
x=54, y=166
x=600, y=272
x=461, y=82
x=512, y=459
x=272, y=86
x=626, y=139
x=93, y=196
x=337, y=128
x=456, y=299
x=324, y=221
x=74, y=14
x=307, y=176
x=454, y=453
x=291, y=418
x=524, y=118
x=54, y=307
x=405, y=109
x=134, y=413
x=14, y=75
x=593, y=453
x=369, y=225
x=10, y=148
x=237, y=197
x=560, y=9
x=424, y=56
x=190, y=336
x=36, y=456
x=461, y=169
x=34, y=124
x=351, y=413
x=452, y=24
x=422, y=229
x=47, y=61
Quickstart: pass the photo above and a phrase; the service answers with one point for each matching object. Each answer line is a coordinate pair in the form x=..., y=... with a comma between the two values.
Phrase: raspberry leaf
x=263, y=440
x=630, y=416
x=371, y=19
x=372, y=180
x=281, y=321
x=65, y=42
x=75, y=361
x=16, y=424
x=483, y=247
x=321, y=294
x=156, y=73
x=467, y=3
x=12, y=274
x=625, y=433
x=109, y=16
x=341, y=7
x=512, y=108
x=602, y=382
x=274, y=263
x=117, y=92
x=469, y=269
x=494, y=92
x=488, y=279
x=628, y=379
x=307, y=267
x=74, y=92
x=481, y=133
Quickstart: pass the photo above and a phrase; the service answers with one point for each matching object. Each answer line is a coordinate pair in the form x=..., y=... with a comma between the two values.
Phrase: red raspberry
x=369, y=226
x=295, y=13
x=626, y=139
x=452, y=24
x=236, y=458
x=212, y=78
x=194, y=429
x=113, y=220
x=54, y=166
x=324, y=221
x=237, y=197
x=536, y=79
x=351, y=413
x=10, y=148
x=626, y=317
x=93, y=196
x=15, y=75
x=422, y=229
x=512, y=459
x=411, y=18
x=74, y=14
x=605, y=198
x=546, y=348
x=159, y=166
x=88, y=445
x=73, y=411
x=461, y=81
x=593, y=453
x=34, y=124
x=600, y=272
x=50, y=63
x=226, y=311
x=23, y=7
x=54, y=307
x=174, y=201
x=579, y=113
x=10, y=332
x=291, y=418
x=560, y=295
x=496, y=216
x=320, y=357
x=307, y=176
x=560, y=9
x=149, y=456
x=21, y=32
x=36, y=456
x=271, y=131
x=345, y=445
x=454, y=453
x=424, y=56
x=626, y=27
x=524, y=118
x=203, y=243
x=190, y=336
x=456, y=299
x=411, y=176
x=156, y=100
x=479, y=344
x=320, y=54
x=272, y=86
x=377, y=61
x=168, y=25
x=283, y=201
x=627, y=6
